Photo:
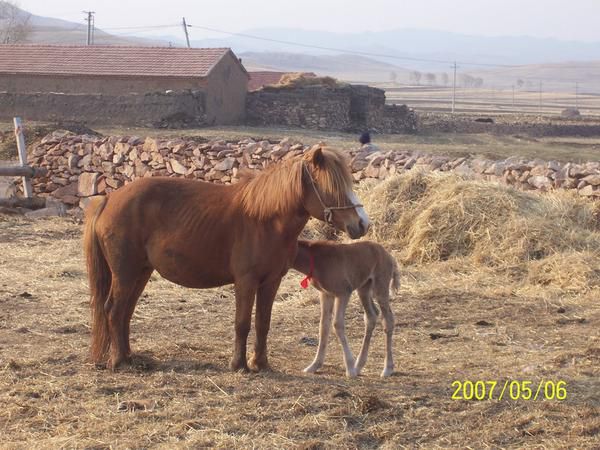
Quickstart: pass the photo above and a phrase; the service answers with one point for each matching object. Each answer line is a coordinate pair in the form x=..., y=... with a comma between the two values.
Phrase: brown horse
x=204, y=235
x=339, y=269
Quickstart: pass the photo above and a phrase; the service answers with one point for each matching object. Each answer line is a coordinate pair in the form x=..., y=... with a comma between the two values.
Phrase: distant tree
x=466, y=80
x=478, y=82
x=444, y=77
x=520, y=83
x=415, y=77
x=430, y=77
x=14, y=23
x=393, y=77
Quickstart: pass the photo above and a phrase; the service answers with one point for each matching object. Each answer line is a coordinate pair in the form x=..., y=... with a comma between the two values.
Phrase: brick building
x=113, y=70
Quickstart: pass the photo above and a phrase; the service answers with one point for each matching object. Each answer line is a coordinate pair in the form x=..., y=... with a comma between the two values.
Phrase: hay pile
x=295, y=80
x=544, y=239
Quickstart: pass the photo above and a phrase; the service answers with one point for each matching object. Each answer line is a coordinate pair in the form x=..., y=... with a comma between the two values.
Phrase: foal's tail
x=100, y=278
x=395, y=277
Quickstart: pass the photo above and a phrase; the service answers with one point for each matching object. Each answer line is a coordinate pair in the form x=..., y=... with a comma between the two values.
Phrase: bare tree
x=520, y=83
x=14, y=23
x=430, y=77
x=478, y=82
x=415, y=76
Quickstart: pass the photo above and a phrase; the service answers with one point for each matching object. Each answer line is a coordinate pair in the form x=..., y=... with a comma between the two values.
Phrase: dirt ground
x=181, y=394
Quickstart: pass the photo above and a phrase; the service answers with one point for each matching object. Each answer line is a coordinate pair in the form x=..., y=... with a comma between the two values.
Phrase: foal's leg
x=245, y=291
x=340, y=330
x=324, y=330
x=388, y=325
x=262, y=323
x=366, y=298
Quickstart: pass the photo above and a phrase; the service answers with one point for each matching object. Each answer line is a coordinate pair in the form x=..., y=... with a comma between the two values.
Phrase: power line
x=355, y=52
x=147, y=27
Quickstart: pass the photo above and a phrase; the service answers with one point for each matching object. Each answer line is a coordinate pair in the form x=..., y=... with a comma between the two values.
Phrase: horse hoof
x=386, y=372
x=237, y=366
x=119, y=363
x=351, y=373
x=259, y=365
x=311, y=369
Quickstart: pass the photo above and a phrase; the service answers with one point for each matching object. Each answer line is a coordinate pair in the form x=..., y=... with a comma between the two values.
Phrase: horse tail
x=99, y=277
x=395, y=284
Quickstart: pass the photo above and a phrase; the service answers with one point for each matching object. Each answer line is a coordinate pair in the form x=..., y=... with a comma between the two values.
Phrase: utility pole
x=90, y=29
x=90, y=22
x=187, y=37
x=454, y=88
x=513, y=97
x=540, y=97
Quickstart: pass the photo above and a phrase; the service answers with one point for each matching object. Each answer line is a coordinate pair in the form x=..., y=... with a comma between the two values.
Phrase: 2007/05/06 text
x=509, y=390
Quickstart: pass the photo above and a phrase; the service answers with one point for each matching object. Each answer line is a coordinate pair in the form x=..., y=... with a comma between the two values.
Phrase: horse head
x=328, y=194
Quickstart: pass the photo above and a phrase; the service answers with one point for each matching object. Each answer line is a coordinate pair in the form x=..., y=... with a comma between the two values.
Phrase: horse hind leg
x=140, y=284
x=324, y=331
x=339, y=325
x=126, y=288
x=370, y=315
x=383, y=298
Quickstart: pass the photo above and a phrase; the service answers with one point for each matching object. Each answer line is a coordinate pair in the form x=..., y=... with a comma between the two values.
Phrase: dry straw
x=548, y=239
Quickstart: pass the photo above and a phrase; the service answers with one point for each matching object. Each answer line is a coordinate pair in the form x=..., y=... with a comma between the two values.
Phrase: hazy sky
x=563, y=19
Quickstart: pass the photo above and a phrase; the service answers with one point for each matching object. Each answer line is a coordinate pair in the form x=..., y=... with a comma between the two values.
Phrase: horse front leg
x=245, y=291
x=327, y=301
x=264, y=304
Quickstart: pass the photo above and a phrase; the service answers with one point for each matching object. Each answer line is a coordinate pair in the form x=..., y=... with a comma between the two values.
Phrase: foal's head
x=328, y=194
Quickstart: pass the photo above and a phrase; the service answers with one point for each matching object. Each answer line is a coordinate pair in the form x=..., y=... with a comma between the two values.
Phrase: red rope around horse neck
x=306, y=280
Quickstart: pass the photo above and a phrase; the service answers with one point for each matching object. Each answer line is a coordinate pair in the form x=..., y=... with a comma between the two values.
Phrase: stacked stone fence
x=348, y=108
x=80, y=166
x=159, y=109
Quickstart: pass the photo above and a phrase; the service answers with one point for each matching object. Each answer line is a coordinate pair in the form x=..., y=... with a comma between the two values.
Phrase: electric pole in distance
x=454, y=88
x=90, y=22
x=187, y=37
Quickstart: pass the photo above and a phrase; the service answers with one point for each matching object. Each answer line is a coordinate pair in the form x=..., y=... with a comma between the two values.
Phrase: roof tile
x=109, y=60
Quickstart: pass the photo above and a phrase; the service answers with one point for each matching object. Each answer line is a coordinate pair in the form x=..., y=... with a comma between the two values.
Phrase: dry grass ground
x=465, y=312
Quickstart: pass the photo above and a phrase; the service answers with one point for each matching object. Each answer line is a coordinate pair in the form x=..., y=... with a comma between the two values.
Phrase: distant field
x=486, y=100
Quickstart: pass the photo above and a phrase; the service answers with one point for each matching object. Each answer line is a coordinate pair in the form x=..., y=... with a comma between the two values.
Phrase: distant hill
x=48, y=30
x=415, y=44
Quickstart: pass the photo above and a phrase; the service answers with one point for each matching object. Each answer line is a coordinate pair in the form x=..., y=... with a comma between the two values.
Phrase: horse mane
x=278, y=190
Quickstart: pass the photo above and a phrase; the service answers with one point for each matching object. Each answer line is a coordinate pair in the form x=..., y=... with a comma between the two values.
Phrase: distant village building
x=115, y=70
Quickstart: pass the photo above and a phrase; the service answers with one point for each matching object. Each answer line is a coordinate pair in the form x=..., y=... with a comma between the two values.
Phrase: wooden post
x=22, y=155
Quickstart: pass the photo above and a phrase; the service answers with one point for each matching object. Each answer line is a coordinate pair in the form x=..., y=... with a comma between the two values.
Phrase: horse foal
x=336, y=271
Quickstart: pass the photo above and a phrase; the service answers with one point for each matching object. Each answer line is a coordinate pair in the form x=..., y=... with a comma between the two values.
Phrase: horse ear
x=318, y=159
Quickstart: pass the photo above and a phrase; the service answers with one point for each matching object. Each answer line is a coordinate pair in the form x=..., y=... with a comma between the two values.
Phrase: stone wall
x=352, y=108
x=508, y=124
x=313, y=107
x=113, y=85
x=185, y=108
x=81, y=166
